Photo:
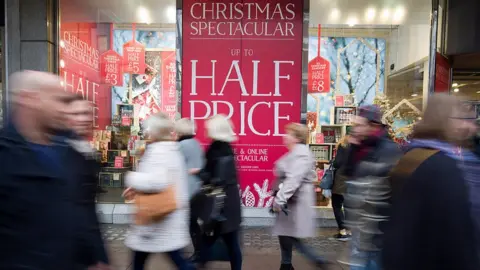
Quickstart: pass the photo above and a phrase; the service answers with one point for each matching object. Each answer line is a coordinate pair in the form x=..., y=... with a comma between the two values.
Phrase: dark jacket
x=431, y=227
x=47, y=212
x=226, y=176
x=366, y=200
x=339, y=164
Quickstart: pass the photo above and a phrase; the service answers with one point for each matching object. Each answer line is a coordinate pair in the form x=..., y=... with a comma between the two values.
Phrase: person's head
x=159, y=127
x=367, y=122
x=39, y=98
x=446, y=118
x=184, y=127
x=81, y=116
x=220, y=128
x=295, y=133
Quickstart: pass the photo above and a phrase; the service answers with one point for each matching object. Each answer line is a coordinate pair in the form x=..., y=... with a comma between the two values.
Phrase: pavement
x=260, y=251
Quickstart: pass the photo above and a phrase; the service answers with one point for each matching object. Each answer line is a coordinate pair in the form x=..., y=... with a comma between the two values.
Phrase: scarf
x=367, y=144
x=468, y=162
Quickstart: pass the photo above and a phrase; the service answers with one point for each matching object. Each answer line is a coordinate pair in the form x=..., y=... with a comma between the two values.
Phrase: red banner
x=244, y=60
x=319, y=75
x=80, y=69
x=442, y=74
x=111, y=68
x=169, y=80
x=134, y=57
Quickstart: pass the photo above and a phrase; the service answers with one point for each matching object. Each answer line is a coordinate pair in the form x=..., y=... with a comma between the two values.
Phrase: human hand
x=100, y=266
x=194, y=171
x=129, y=194
x=327, y=193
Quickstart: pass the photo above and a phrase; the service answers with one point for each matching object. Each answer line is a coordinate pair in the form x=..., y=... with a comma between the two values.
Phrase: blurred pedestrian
x=431, y=225
x=194, y=161
x=41, y=212
x=339, y=188
x=161, y=166
x=295, y=198
x=371, y=156
x=221, y=219
x=92, y=250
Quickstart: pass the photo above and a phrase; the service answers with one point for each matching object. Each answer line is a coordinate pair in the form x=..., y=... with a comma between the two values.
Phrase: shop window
x=122, y=59
x=364, y=54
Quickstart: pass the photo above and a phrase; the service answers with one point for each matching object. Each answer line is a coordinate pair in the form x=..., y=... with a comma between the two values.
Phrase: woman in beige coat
x=295, y=198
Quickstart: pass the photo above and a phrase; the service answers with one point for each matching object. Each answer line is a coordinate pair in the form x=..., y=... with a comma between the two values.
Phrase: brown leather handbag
x=154, y=207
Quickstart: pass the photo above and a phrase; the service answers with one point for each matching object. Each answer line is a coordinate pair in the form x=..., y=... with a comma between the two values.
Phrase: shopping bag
x=153, y=207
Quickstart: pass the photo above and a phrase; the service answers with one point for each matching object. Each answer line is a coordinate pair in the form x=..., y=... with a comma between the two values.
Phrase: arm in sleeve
x=156, y=175
x=294, y=179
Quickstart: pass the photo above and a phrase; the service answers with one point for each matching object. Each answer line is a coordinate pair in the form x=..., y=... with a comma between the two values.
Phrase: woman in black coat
x=339, y=188
x=220, y=171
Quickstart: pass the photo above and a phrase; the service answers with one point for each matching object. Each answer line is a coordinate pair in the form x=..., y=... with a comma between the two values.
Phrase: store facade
x=262, y=63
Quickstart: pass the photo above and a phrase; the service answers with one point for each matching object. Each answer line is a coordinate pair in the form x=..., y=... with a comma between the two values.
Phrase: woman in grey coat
x=295, y=198
x=194, y=158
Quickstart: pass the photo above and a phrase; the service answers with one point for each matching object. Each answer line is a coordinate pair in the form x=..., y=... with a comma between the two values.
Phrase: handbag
x=152, y=207
x=328, y=177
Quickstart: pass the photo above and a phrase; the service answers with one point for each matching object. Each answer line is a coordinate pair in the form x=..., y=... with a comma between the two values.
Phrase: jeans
x=372, y=260
x=233, y=247
x=286, y=247
x=337, y=205
x=140, y=257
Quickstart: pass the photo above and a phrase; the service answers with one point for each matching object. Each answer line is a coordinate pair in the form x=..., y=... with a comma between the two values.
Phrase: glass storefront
x=126, y=58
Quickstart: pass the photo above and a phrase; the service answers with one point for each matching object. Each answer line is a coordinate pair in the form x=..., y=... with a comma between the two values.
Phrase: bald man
x=41, y=180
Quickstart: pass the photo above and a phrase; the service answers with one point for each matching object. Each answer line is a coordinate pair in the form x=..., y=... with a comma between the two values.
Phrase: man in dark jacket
x=41, y=224
x=371, y=156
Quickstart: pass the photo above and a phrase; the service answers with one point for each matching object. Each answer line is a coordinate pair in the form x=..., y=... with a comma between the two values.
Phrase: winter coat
x=339, y=163
x=160, y=162
x=227, y=177
x=297, y=193
x=47, y=214
x=431, y=227
x=367, y=198
x=194, y=159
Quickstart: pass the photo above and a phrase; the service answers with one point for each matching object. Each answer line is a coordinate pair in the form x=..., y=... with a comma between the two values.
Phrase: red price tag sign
x=318, y=75
x=126, y=121
x=134, y=57
x=118, y=162
x=111, y=68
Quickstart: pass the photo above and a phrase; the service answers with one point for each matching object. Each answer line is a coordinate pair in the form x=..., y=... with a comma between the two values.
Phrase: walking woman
x=220, y=170
x=161, y=160
x=296, y=197
x=194, y=159
x=339, y=188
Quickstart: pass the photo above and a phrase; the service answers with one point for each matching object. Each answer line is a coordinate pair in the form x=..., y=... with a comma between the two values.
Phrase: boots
x=286, y=267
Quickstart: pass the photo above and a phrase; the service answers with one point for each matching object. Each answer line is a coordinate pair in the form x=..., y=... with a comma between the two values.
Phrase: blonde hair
x=435, y=123
x=343, y=141
x=159, y=127
x=220, y=128
x=299, y=131
x=185, y=127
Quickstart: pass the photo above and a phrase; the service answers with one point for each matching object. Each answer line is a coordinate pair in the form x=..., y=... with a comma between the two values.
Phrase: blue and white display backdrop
x=151, y=40
x=357, y=67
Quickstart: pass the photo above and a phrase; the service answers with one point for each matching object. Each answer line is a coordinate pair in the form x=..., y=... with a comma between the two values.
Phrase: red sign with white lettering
x=134, y=57
x=318, y=75
x=111, y=68
x=247, y=65
x=80, y=69
x=169, y=82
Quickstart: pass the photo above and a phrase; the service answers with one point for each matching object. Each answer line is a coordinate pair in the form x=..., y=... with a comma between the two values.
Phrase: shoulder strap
x=407, y=165
x=411, y=160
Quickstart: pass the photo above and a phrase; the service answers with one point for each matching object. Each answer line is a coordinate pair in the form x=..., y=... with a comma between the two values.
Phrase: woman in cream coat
x=161, y=166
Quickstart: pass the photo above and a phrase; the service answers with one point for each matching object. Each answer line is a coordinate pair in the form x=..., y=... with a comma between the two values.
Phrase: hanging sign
x=318, y=72
x=111, y=68
x=169, y=82
x=134, y=56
